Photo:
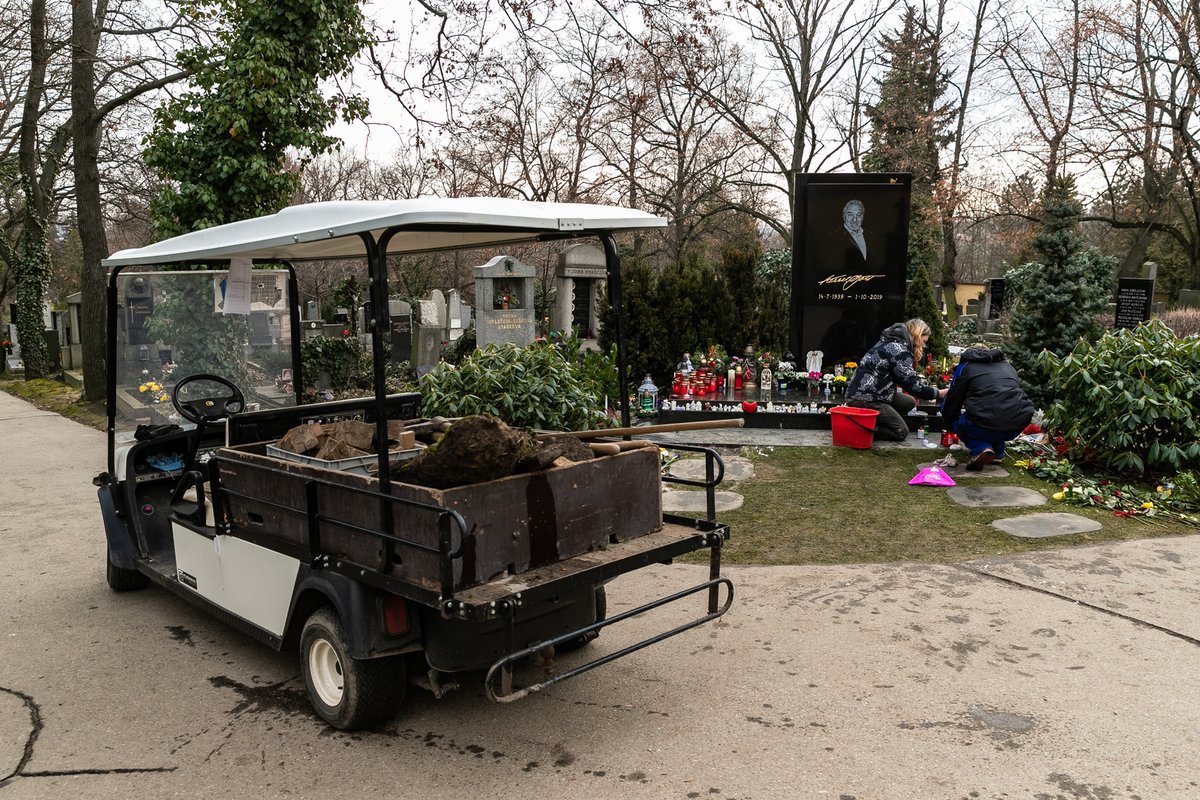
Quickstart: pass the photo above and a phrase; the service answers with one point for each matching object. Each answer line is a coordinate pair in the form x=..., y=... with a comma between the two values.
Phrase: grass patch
x=826, y=505
x=56, y=396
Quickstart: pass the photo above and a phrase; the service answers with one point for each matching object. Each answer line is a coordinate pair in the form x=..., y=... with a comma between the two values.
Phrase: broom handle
x=665, y=428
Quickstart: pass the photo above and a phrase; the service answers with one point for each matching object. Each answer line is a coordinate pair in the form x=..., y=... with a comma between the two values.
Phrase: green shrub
x=1128, y=402
x=530, y=387
x=340, y=359
x=919, y=303
x=348, y=367
x=964, y=332
x=461, y=347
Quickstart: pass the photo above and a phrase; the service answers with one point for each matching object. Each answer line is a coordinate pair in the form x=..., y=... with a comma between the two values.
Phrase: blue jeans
x=977, y=439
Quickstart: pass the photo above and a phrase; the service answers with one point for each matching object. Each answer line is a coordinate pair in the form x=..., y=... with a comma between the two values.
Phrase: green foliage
x=1124, y=500
x=924, y=235
x=596, y=370
x=773, y=288
x=531, y=387
x=1061, y=297
x=341, y=360
x=349, y=293
x=649, y=347
x=1128, y=402
x=461, y=347
x=909, y=125
x=919, y=302
x=348, y=368
x=255, y=99
x=201, y=339
x=31, y=269
x=964, y=332
x=690, y=307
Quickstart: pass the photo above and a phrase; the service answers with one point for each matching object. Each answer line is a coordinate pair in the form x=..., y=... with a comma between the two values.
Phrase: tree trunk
x=32, y=265
x=949, y=259
x=86, y=130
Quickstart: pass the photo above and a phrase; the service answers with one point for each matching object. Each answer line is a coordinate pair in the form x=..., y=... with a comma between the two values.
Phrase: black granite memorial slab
x=1134, y=298
x=849, y=261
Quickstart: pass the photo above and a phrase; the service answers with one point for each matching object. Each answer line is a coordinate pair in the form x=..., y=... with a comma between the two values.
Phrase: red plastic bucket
x=853, y=427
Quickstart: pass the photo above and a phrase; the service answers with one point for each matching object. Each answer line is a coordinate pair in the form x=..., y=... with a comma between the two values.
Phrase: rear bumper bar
x=501, y=671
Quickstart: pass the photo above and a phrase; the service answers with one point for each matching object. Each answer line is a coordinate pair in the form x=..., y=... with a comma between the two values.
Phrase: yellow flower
x=143, y=388
x=851, y=364
x=1147, y=505
x=1060, y=495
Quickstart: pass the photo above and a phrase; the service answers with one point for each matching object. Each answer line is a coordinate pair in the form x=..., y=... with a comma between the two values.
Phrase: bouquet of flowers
x=814, y=378
x=152, y=391
x=786, y=373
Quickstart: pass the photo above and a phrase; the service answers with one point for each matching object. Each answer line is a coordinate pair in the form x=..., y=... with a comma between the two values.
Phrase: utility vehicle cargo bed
x=513, y=524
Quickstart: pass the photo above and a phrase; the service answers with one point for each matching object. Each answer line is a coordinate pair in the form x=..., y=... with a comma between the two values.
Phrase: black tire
x=124, y=580
x=346, y=692
x=601, y=615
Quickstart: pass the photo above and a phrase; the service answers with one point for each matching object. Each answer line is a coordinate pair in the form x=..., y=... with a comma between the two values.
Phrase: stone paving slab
x=1045, y=525
x=996, y=496
x=736, y=468
x=691, y=502
x=959, y=471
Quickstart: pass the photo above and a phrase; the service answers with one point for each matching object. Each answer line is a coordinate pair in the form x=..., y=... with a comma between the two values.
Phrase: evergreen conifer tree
x=919, y=302
x=909, y=125
x=1060, y=296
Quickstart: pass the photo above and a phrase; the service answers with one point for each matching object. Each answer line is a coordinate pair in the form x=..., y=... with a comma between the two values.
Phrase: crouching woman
x=888, y=364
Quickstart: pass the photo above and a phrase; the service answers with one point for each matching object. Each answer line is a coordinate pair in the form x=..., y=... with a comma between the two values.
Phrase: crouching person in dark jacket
x=888, y=364
x=986, y=405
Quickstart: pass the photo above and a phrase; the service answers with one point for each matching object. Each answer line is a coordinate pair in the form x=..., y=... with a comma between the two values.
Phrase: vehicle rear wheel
x=346, y=692
x=601, y=615
x=124, y=580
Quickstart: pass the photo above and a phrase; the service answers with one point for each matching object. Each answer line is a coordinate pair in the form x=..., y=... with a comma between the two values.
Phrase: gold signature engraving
x=848, y=280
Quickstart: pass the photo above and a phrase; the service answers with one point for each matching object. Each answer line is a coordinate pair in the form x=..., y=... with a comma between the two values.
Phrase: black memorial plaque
x=1134, y=298
x=849, y=261
x=995, y=297
x=401, y=337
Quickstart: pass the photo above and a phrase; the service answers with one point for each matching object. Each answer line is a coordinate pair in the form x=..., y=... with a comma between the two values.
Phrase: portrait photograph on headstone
x=849, y=261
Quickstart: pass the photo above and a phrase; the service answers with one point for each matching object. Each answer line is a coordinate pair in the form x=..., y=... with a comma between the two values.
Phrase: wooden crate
x=513, y=524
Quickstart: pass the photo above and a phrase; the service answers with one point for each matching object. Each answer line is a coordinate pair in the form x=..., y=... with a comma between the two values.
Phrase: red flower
x=345, y=332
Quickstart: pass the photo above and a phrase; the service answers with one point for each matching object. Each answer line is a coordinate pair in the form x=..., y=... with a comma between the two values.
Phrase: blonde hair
x=916, y=329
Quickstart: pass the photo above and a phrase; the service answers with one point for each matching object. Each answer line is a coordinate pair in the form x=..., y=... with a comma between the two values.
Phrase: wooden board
x=513, y=524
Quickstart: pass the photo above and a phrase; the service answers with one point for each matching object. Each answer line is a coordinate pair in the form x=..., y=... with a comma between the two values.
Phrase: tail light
x=395, y=615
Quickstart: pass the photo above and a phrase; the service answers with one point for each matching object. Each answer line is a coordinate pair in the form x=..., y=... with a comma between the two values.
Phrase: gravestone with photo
x=504, y=302
x=849, y=262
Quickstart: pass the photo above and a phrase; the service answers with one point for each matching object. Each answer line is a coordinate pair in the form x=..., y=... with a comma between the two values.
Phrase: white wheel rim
x=325, y=669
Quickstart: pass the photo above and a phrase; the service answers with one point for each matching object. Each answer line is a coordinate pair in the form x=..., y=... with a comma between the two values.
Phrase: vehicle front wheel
x=124, y=580
x=346, y=692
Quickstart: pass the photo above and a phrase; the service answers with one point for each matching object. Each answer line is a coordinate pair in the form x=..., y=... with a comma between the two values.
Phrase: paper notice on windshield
x=236, y=291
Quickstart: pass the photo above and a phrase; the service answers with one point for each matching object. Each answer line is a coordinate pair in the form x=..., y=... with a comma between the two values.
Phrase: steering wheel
x=208, y=409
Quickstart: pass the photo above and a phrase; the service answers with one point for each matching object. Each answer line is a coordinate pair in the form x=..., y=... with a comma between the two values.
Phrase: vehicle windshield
x=174, y=324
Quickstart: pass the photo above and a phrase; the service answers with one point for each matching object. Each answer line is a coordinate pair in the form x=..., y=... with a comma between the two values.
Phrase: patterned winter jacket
x=888, y=363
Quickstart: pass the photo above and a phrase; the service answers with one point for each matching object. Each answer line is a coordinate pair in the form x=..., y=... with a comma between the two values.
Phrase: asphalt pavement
x=1060, y=674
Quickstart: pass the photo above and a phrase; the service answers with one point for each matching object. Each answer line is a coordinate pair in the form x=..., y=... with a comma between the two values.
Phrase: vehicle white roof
x=331, y=230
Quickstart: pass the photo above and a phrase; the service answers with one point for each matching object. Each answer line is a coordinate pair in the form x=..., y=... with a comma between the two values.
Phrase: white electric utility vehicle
x=374, y=581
